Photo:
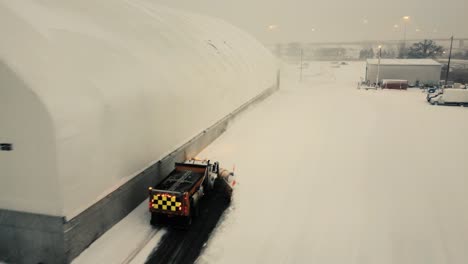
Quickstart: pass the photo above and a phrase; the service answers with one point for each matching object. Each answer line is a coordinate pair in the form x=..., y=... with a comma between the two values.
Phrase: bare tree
x=425, y=49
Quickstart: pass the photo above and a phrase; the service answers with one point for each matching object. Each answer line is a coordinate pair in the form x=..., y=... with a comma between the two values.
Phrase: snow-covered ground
x=331, y=174
x=129, y=241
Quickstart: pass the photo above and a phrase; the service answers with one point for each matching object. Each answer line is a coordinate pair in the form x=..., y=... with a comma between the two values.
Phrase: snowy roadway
x=331, y=174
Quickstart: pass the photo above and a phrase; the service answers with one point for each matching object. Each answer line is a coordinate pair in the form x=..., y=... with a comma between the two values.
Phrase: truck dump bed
x=179, y=191
x=180, y=180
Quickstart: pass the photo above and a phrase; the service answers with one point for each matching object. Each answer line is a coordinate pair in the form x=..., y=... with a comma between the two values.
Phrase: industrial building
x=415, y=71
x=97, y=101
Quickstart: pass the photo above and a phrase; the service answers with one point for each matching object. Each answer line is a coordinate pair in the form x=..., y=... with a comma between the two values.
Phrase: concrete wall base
x=33, y=238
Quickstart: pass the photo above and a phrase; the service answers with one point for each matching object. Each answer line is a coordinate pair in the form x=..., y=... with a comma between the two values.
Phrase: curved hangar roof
x=92, y=92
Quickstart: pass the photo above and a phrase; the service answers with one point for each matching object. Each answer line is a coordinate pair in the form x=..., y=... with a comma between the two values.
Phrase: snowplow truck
x=177, y=197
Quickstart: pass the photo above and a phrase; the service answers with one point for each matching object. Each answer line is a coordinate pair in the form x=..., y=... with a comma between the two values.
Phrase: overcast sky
x=336, y=20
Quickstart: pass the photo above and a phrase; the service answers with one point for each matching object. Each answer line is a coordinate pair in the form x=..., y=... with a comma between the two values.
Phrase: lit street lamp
x=272, y=27
x=405, y=22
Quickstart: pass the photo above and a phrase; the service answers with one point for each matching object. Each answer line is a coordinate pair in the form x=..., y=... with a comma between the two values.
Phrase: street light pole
x=405, y=21
x=378, y=65
x=404, y=35
x=302, y=55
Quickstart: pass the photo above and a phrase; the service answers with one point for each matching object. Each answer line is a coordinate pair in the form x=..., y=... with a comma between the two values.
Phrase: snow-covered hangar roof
x=399, y=62
x=92, y=92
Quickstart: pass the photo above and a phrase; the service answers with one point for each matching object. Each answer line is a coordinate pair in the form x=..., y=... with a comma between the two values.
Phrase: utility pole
x=302, y=55
x=378, y=66
x=450, y=57
x=404, y=42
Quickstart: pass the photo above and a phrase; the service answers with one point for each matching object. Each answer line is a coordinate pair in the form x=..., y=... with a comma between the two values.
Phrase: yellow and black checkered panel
x=166, y=202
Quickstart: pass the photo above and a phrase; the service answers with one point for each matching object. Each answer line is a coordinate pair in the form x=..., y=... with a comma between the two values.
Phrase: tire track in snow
x=184, y=246
x=141, y=245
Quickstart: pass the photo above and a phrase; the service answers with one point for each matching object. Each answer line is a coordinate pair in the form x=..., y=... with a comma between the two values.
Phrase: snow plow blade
x=225, y=184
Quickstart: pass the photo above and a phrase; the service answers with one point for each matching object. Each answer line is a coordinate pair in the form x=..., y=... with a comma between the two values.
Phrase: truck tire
x=207, y=185
x=187, y=221
x=222, y=191
x=194, y=210
x=155, y=219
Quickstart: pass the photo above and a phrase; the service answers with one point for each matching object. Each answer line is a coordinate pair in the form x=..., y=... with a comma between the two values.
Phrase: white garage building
x=422, y=71
x=95, y=93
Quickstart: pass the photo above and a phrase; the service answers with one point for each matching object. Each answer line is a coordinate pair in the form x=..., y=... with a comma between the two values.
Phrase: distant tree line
x=455, y=75
x=293, y=51
x=330, y=53
x=388, y=54
x=366, y=54
x=370, y=53
x=425, y=49
x=461, y=55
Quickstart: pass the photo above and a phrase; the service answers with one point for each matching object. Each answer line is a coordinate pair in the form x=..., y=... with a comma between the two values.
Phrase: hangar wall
x=106, y=88
x=28, y=173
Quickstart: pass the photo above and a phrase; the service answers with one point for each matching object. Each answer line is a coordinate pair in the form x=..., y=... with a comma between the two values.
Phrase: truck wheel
x=187, y=221
x=218, y=185
x=228, y=197
x=155, y=219
x=208, y=185
x=195, y=210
